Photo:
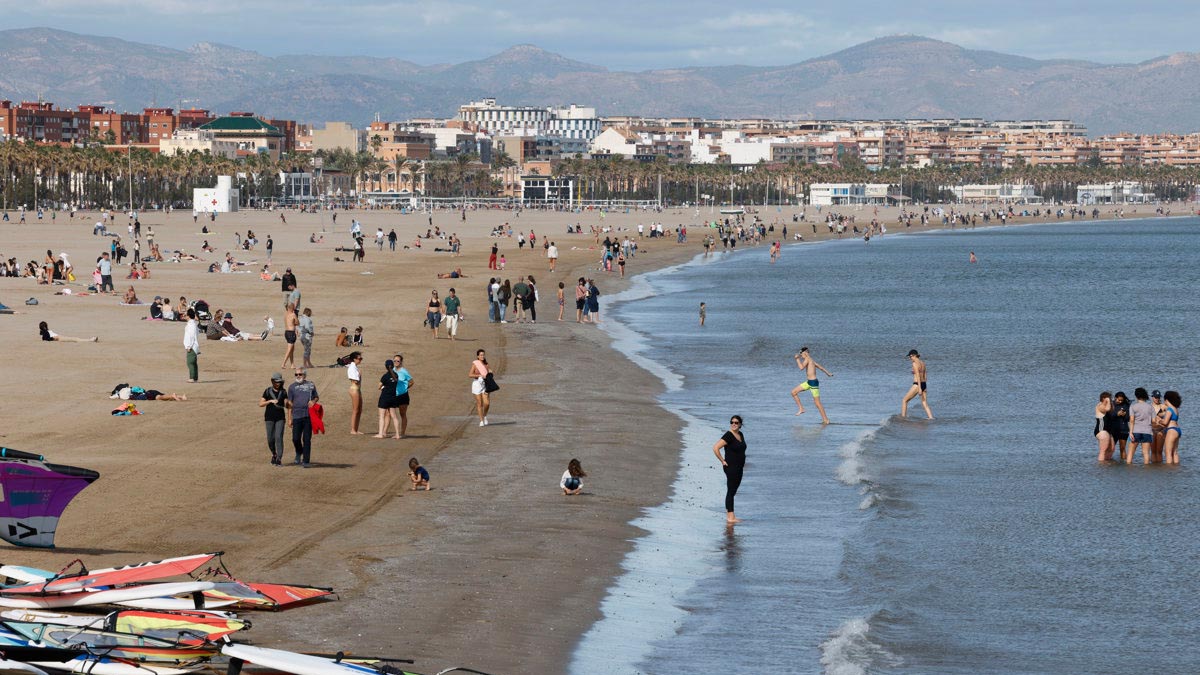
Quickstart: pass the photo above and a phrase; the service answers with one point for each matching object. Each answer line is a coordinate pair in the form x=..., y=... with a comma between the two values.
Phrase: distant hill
x=891, y=77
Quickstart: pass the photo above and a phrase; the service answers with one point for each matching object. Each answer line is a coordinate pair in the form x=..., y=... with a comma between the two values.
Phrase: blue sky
x=627, y=35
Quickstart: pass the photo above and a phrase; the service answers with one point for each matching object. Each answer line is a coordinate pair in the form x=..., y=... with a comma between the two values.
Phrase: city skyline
x=623, y=35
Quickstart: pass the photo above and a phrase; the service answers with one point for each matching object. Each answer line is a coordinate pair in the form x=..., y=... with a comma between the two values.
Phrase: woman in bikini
x=1172, y=433
x=433, y=314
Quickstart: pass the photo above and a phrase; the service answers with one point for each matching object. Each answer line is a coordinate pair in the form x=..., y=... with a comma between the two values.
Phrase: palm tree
x=399, y=164
x=461, y=163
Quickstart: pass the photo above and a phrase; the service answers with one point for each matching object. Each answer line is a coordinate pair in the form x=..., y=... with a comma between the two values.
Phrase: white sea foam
x=643, y=605
x=853, y=470
x=850, y=651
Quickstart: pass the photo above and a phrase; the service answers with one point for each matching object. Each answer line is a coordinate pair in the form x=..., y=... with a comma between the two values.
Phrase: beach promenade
x=494, y=568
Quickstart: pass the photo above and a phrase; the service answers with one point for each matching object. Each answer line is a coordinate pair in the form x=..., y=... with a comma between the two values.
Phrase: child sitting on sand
x=358, y=340
x=343, y=337
x=571, y=483
x=418, y=475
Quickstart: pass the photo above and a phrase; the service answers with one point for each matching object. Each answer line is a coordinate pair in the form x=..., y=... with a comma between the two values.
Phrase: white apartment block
x=573, y=121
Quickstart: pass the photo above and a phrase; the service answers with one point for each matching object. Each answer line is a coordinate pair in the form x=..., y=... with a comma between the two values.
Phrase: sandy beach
x=494, y=568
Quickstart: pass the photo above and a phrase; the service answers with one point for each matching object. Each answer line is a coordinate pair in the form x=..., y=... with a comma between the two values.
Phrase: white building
x=1120, y=192
x=616, y=141
x=836, y=194
x=186, y=141
x=573, y=121
x=1001, y=192
x=221, y=199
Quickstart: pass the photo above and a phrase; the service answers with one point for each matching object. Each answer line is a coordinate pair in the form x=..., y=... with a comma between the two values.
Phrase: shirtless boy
x=918, y=385
x=805, y=362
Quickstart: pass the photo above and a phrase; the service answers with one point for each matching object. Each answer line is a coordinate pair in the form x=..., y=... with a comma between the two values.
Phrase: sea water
x=987, y=540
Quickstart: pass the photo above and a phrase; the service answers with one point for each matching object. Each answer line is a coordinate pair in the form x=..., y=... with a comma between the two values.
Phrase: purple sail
x=33, y=495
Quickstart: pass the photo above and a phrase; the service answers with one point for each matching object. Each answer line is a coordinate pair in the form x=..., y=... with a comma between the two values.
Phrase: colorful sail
x=250, y=595
x=116, y=576
x=190, y=628
x=34, y=494
x=111, y=644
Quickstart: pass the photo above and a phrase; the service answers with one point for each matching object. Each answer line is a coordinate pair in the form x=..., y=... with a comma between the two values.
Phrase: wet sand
x=494, y=568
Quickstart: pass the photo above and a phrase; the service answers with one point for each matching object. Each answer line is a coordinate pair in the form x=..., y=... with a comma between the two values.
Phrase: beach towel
x=316, y=412
x=126, y=409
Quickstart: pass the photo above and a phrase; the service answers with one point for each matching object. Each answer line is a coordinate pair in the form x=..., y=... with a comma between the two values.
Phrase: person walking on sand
x=453, y=306
x=552, y=255
x=301, y=393
x=805, y=362
x=732, y=463
x=918, y=387
x=306, y=335
x=478, y=374
x=191, y=345
x=561, y=300
x=275, y=403
x=433, y=313
x=290, y=321
x=354, y=374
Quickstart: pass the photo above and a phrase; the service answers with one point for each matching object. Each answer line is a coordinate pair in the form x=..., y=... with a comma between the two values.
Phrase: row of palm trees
x=617, y=177
x=33, y=173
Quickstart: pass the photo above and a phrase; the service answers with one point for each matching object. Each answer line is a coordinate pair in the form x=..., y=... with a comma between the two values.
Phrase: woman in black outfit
x=732, y=463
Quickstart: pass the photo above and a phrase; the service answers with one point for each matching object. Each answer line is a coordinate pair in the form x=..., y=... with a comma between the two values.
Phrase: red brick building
x=39, y=121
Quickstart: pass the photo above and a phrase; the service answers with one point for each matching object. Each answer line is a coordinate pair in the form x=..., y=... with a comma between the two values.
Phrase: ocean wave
x=852, y=470
x=850, y=650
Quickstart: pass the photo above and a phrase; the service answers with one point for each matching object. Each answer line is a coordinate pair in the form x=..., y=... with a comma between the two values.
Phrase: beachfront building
x=1119, y=192
x=185, y=141
x=220, y=199
x=251, y=134
x=547, y=189
x=839, y=194
x=985, y=193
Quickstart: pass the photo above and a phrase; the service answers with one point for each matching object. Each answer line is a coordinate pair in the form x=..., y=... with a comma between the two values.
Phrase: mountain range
x=890, y=77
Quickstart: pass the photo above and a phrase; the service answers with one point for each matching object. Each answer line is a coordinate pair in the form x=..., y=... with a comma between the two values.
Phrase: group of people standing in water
x=1150, y=422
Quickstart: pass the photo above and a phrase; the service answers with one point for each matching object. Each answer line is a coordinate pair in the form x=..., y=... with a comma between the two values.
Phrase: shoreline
x=493, y=569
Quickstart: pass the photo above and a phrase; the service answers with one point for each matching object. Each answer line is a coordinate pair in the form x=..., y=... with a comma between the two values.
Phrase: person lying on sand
x=50, y=336
x=456, y=274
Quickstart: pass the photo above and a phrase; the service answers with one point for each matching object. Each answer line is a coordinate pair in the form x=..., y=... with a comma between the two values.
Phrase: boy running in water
x=805, y=362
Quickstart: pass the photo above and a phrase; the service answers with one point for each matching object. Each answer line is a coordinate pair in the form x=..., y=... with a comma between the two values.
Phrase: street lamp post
x=129, y=174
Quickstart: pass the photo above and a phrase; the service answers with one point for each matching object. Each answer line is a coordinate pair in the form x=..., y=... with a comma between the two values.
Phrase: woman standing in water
x=1172, y=433
x=1103, y=438
x=734, y=461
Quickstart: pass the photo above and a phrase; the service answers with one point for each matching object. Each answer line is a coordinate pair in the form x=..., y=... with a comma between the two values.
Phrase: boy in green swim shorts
x=805, y=362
